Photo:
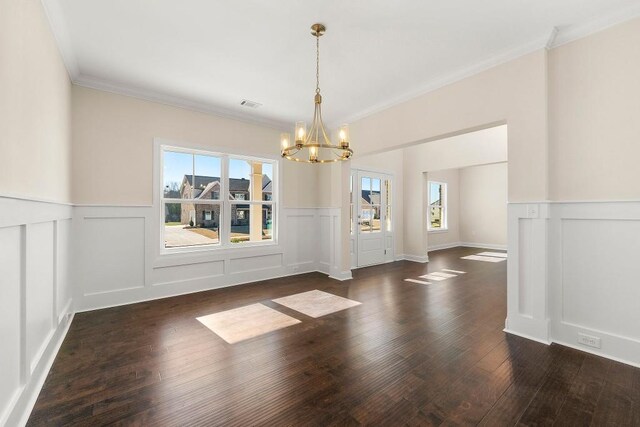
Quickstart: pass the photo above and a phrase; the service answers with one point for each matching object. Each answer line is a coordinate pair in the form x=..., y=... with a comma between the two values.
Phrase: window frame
x=444, y=223
x=224, y=228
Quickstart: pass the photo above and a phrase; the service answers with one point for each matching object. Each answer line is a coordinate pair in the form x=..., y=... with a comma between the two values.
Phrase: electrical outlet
x=532, y=211
x=589, y=340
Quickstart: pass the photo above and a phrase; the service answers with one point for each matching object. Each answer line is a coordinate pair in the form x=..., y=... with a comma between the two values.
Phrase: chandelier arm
x=314, y=125
x=324, y=132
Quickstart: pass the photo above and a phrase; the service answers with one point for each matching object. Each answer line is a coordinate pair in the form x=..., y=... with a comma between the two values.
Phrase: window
x=195, y=214
x=436, y=210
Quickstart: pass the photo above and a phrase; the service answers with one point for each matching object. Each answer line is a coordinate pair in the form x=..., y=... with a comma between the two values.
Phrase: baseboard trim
x=443, y=246
x=484, y=246
x=416, y=258
x=342, y=276
x=467, y=245
x=527, y=336
x=21, y=411
x=597, y=353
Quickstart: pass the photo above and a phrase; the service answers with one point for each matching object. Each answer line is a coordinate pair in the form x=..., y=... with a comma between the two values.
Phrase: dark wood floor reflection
x=409, y=355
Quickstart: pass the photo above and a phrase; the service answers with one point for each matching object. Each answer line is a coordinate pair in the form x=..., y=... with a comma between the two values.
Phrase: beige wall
x=483, y=205
x=452, y=234
x=514, y=93
x=113, y=138
x=594, y=116
x=35, y=102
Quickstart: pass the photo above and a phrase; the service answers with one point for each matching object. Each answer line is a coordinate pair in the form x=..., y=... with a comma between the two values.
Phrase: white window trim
x=443, y=206
x=224, y=245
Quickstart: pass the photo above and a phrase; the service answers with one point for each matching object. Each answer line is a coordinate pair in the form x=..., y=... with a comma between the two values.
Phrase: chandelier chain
x=317, y=64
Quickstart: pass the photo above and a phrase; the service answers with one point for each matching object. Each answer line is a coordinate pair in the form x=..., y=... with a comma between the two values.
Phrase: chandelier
x=314, y=146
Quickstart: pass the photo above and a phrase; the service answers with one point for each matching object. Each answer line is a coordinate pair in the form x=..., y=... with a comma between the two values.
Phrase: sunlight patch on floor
x=246, y=322
x=316, y=303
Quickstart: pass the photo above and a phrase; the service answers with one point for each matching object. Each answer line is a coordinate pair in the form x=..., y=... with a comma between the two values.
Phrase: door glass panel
x=375, y=200
x=370, y=205
x=365, y=215
x=387, y=201
x=375, y=221
x=351, y=204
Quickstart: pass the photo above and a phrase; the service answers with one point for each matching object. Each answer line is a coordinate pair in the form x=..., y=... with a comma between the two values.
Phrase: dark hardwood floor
x=409, y=355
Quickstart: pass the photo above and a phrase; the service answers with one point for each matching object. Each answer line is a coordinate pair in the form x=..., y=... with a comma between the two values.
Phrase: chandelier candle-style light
x=314, y=146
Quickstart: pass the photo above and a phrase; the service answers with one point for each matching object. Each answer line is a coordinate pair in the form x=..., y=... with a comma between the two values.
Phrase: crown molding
x=578, y=31
x=174, y=101
x=501, y=58
x=58, y=25
x=553, y=38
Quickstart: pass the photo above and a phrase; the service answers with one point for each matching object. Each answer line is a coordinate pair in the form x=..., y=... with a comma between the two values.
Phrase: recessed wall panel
x=253, y=263
x=10, y=274
x=63, y=259
x=601, y=275
x=113, y=254
x=188, y=271
x=39, y=289
x=324, y=237
x=301, y=238
x=525, y=266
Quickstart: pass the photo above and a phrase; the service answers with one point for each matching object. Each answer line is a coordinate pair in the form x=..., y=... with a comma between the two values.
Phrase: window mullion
x=226, y=207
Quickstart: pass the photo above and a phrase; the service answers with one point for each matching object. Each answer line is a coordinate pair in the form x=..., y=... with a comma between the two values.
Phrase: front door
x=373, y=225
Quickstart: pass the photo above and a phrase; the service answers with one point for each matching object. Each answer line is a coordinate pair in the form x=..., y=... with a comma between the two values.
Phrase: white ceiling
x=211, y=54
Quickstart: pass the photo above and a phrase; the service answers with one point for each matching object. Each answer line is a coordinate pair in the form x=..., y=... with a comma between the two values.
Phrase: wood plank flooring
x=411, y=354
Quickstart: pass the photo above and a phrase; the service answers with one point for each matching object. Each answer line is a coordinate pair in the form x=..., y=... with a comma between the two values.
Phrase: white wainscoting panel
x=254, y=263
x=119, y=260
x=35, y=298
x=192, y=271
x=10, y=316
x=301, y=238
x=527, y=306
x=40, y=291
x=595, y=279
x=63, y=267
x=324, y=242
x=330, y=244
x=111, y=255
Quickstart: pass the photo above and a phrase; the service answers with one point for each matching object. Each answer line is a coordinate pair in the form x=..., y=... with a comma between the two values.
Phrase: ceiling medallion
x=315, y=146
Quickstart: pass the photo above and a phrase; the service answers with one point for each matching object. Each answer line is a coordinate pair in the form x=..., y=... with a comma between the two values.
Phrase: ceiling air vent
x=250, y=104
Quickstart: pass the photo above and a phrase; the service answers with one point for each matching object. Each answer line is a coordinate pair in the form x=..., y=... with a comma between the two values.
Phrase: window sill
x=213, y=253
x=438, y=230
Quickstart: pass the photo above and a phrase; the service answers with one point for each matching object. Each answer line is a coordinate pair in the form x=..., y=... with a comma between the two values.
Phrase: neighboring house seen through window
x=437, y=206
x=195, y=214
